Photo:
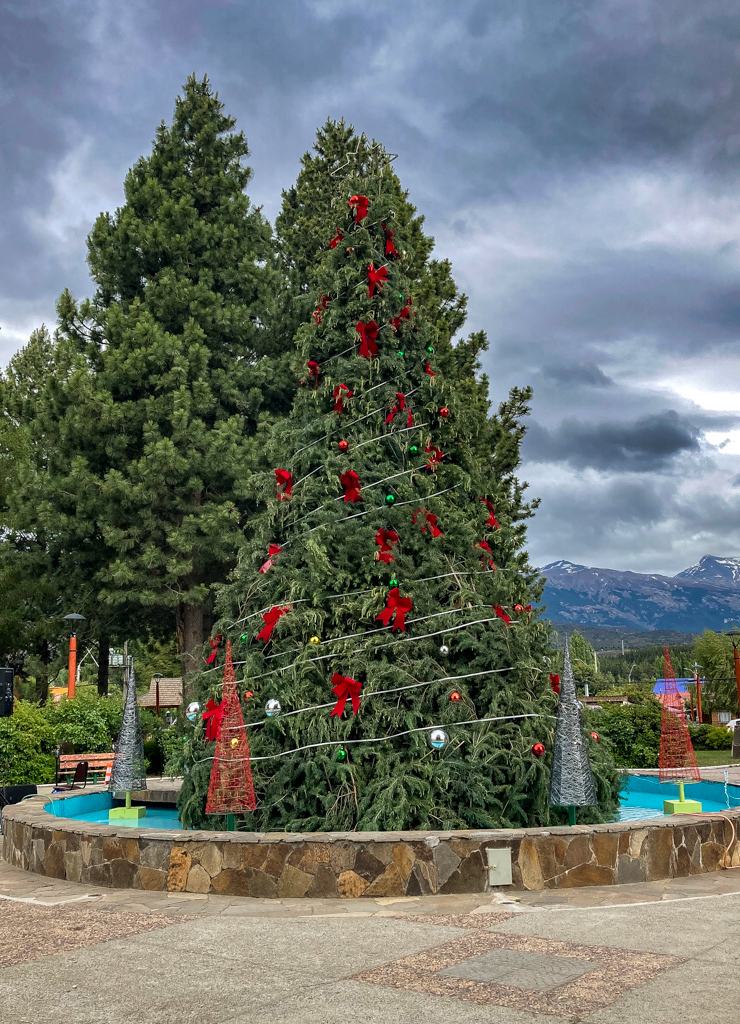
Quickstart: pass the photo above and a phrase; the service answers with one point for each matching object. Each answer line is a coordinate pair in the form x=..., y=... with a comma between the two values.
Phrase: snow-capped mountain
x=710, y=569
x=705, y=596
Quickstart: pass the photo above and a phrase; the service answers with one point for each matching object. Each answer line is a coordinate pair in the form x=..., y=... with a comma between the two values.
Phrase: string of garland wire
x=374, y=739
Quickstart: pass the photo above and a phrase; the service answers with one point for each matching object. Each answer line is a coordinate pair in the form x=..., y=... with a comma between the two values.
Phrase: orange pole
x=737, y=673
x=698, y=697
x=72, y=672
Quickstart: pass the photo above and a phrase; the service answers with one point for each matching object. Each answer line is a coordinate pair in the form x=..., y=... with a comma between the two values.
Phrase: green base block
x=126, y=812
x=681, y=807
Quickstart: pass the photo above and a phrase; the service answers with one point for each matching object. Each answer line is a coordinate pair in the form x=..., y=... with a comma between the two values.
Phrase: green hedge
x=26, y=747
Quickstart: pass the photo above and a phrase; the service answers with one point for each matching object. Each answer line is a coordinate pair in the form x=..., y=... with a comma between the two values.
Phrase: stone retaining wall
x=351, y=864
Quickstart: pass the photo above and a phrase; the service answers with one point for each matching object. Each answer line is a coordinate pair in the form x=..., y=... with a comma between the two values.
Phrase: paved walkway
x=659, y=951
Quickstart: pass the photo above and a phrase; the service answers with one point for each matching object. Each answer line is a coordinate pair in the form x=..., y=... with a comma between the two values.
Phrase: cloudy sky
x=577, y=160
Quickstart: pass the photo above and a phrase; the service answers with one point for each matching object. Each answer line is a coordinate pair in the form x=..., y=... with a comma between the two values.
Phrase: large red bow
x=341, y=391
x=390, y=249
x=555, y=681
x=484, y=546
x=313, y=371
x=213, y=716
x=398, y=606
x=271, y=619
x=386, y=539
x=396, y=320
x=435, y=457
x=376, y=279
x=215, y=644
x=501, y=613
x=491, y=521
x=284, y=481
x=345, y=688
x=272, y=552
x=428, y=369
x=350, y=481
x=321, y=305
x=359, y=204
x=337, y=239
x=369, y=333
x=430, y=520
x=398, y=407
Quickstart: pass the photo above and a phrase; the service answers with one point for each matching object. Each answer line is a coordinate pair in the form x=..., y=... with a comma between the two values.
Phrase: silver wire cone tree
x=571, y=778
x=129, y=767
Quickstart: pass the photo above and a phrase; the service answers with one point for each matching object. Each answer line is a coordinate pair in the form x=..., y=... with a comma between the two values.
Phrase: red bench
x=97, y=765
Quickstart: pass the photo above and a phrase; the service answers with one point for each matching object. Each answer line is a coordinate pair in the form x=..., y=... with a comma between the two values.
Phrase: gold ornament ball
x=314, y=640
x=234, y=743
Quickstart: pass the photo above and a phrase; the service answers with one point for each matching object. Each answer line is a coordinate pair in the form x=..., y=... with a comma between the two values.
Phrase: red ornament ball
x=538, y=749
x=444, y=412
x=455, y=697
x=595, y=737
x=519, y=608
x=343, y=446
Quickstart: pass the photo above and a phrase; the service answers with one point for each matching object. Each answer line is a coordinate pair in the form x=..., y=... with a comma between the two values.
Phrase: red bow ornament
x=435, y=457
x=396, y=606
x=428, y=369
x=398, y=407
x=376, y=279
x=213, y=716
x=430, y=521
x=369, y=334
x=359, y=204
x=491, y=521
x=501, y=613
x=341, y=391
x=390, y=249
x=313, y=371
x=323, y=302
x=337, y=239
x=350, y=481
x=555, y=681
x=345, y=689
x=284, y=481
x=272, y=552
x=386, y=539
x=484, y=546
x=215, y=644
x=271, y=620
x=395, y=321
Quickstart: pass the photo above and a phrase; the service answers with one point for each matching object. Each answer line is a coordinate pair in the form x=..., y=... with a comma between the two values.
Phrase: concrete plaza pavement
x=658, y=951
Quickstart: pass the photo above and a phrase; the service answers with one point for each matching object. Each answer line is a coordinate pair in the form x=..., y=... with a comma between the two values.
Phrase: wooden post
x=698, y=696
x=736, y=655
x=72, y=667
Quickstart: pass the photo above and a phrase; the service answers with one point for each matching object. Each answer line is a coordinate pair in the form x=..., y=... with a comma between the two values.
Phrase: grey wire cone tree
x=571, y=777
x=129, y=766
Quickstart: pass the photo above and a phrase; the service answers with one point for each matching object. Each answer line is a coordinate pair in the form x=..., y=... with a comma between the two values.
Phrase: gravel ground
x=29, y=932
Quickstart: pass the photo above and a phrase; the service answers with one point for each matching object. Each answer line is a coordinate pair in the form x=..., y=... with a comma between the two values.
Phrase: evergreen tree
x=167, y=374
x=385, y=503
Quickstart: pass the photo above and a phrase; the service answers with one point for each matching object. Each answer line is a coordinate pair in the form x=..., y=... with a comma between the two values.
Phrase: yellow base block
x=681, y=807
x=126, y=812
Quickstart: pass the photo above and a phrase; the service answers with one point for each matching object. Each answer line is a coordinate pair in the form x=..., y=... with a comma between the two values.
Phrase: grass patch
x=707, y=758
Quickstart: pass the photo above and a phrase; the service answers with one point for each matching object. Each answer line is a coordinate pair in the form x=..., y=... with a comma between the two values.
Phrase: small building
x=170, y=696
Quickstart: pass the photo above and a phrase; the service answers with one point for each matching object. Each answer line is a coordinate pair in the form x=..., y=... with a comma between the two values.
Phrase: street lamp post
x=697, y=682
x=736, y=658
x=74, y=620
x=157, y=677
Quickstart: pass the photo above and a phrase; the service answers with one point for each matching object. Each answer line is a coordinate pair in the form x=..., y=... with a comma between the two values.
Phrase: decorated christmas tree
x=129, y=766
x=384, y=600
x=571, y=777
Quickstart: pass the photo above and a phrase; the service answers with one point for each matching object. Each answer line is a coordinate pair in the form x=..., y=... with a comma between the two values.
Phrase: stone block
x=471, y=876
x=293, y=882
x=342, y=857
x=179, y=867
x=390, y=883
x=604, y=846
x=100, y=874
x=112, y=848
x=198, y=879
x=211, y=859
x=682, y=862
x=658, y=850
x=152, y=879
x=261, y=885
x=307, y=858
x=231, y=883
x=445, y=862
x=276, y=859
x=711, y=856
x=368, y=866
x=403, y=858
x=123, y=873
x=73, y=866
x=54, y=861
x=351, y=885
x=529, y=866
x=629, y=869
x=578, y=852
x=637, y=841
x=587, y=874
x=324, y=884
x=154, y=854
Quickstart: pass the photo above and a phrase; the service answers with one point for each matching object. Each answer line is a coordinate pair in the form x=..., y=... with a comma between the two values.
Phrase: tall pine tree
x=169, y=372
x=386, y=590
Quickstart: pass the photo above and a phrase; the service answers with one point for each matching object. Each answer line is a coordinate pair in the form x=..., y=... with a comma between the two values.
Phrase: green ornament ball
x=341, y=755
x=244, y=637
x=413, y=449
x=392, y=583
x=401, y=353
x=430, y=349
x=389, y=499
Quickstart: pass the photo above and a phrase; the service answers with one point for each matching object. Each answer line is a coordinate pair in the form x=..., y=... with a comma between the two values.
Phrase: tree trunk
x=190, y=637
x=43, y=652
x=103, y=664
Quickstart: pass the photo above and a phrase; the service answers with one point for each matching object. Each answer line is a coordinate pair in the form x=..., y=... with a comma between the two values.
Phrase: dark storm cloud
x=579, y=163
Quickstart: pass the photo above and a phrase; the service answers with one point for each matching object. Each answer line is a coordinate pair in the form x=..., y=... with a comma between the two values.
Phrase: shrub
x=79, y=727
x=26, y=747
x=633, y=730
x=710, y=737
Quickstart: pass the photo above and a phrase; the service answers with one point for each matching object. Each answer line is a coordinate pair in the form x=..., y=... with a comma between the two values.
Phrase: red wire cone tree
x=231, y=790
x=677, y=758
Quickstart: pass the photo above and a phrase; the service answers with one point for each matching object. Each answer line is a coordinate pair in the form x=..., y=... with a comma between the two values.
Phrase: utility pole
x=736, y=659
x=697, y=683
